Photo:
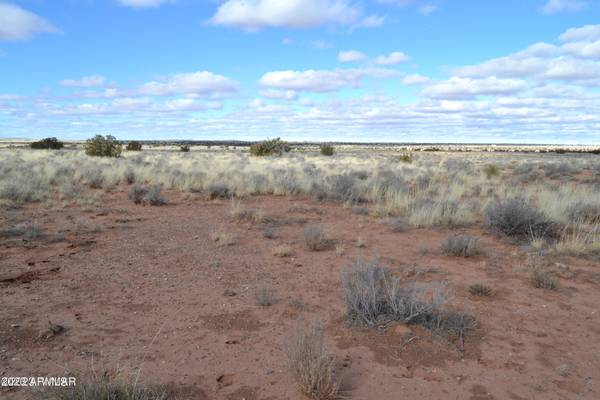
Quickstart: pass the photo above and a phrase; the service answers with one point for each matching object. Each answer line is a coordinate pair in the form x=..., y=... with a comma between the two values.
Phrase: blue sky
x=364, y=70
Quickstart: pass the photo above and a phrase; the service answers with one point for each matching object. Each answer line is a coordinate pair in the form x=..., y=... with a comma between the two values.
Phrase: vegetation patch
x=461, y=245
x=51, y=143
x=103, y=146
x=312, y=364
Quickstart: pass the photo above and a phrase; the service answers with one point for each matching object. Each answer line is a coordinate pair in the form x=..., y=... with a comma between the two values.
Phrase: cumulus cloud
x=257, y=14
x=279, y=94
x=86, y=81
x=19, y=24
x=201, y=83
x=457, y=87
x=143, y=3
x=586, y=32
x=321, y=81
x=351, y=56
x=557, y=6
x=396, y=57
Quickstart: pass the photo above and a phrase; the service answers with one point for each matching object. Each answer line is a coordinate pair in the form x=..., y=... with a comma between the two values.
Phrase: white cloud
x=19, y=24
x=587, y=32
x=393, y=58
x=256, y=14
x=583, y=49
x=201, y=83
x=279, y=94
x=415, y=79
x=457, y=87
x=86, y=81
x=143, y=3
x=320, y=81
x=351, y=56
x=556, y=6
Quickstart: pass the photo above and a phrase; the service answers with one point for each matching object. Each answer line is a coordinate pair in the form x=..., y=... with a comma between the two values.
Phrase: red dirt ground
x=150, y=289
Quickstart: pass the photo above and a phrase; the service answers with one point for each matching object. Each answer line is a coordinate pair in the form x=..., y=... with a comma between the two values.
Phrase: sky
x=511, y=71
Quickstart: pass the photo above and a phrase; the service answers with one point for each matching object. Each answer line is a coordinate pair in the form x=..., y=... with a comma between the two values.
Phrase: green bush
x=184, y=148
x=406, y=158
x=491, y=170
x=134, y=145
x=327, y=149
x=270, y=147
x=47, y=143
x=103, y=146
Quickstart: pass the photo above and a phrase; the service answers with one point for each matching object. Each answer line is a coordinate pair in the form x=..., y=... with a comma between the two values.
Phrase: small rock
x=229, y=293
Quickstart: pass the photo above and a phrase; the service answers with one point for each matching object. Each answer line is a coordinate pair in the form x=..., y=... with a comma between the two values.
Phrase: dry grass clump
x=219, y=190
x=312, y=364
x=374, y=297
x=517, y=218
x=480, y=290
x=240, y=213
x=223, y=238
x=264, y=296
x=283, y=250
x=150, y=195
x=579, y=239
x=396, y=224
x=461, y=245
x=314, y=237
x=106, y=388
x=541, y=274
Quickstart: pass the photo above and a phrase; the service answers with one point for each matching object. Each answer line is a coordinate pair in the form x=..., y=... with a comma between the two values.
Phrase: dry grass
x=106, y=387
x=461, y=245
x=314, y=237
x=311, y=364
x=283, y=250
x=264, y=296
x=223, y=239
x=541, y=275
x=480, y=290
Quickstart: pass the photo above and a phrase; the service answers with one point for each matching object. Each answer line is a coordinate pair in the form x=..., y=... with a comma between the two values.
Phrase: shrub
x=582, y=211
x=146, y=195
x=311, y=364
x=106, y=388
x=406, y=158
x=480, y=289
x=373, y=297
x=461, y=245
x=185, y=148
x=137, y=193
x=103, y=146
x=314, y=237
x=282, y=250
x=134, y=145
x=218, y=190
x=51, y=143
x=542, y=278
x=327, y=149
x=517, y=218
x=153, y=197
x=264, y=296
x=491, y=171
x=396, y=224
x=269, y=148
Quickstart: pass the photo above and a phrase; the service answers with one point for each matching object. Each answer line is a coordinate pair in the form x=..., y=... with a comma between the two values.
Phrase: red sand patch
x=147, y=290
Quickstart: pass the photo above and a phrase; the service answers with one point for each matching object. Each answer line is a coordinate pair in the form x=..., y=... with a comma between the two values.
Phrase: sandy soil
x=146, y=287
